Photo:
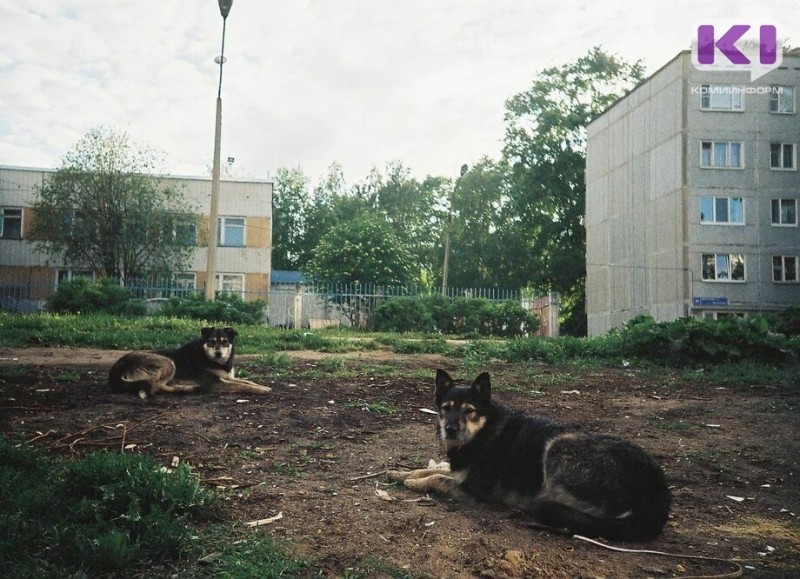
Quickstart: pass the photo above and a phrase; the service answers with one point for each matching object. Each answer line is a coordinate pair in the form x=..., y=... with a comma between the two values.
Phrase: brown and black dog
x=204, y=364
x=563, y=478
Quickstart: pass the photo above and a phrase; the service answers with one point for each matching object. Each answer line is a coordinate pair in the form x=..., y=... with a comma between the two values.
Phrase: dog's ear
x=443, y=383
x=230, y=332
x=483, y=387
x=206, y=332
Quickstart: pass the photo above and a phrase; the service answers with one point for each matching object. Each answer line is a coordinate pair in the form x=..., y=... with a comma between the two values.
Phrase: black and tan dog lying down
x=560, y=477
x=204, y=364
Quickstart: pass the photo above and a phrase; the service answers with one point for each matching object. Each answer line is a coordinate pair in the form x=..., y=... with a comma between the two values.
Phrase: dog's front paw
x=398, y=475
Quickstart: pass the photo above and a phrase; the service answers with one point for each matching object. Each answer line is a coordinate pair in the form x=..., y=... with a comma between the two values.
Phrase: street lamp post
x=446, y=266
x=211, y=267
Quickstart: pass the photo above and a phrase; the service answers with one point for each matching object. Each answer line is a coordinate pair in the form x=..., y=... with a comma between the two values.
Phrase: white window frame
x=781, y=268
x=728, y=148
x=781, y=158
x=779, y=202
x=184, y=283
x=709, y=91
x=713, y=219
x=221, y=283
x=718, y=271
x=221, y=230
x=3, y=218
x=70, y=274
x=775, y=100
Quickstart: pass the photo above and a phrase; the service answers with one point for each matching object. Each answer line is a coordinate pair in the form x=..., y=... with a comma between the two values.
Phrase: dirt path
x=732, y=457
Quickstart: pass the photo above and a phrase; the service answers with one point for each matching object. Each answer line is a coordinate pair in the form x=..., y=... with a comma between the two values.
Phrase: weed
x=377, y=407
x=285, y=469
x=14, y=372
x=69, y=376
x=674, y=425
x=375, y=567
x=116, y=511
x=276, y=361
x=257, y=555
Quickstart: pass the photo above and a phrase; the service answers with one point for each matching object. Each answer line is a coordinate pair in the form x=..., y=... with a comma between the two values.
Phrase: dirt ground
x=308, y=451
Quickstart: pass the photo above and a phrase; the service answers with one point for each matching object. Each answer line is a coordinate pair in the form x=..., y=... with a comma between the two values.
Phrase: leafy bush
x=403, y=314
x=226, y=308
x=113, y=511
x=470, y=317
x=786, y=322
x=699, y=341
x=85, y=297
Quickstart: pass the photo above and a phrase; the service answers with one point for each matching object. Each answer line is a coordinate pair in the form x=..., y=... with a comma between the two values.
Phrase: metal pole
x=211, y=267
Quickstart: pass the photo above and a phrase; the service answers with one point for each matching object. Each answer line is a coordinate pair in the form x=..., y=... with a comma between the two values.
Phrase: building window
x=721, y=98
x=184, y=284
x=64, y=275
x=723, y=267
x=721, y=210
x=721, y=154
x=784, y=269
x=11, y=223
x=784, y=211
x=186, y=234
x=231, y=283
x=782, y=100
x=781, y=156
x=230, y=231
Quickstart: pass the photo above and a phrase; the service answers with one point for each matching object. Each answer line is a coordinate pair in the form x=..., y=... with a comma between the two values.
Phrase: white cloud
x=308, y=82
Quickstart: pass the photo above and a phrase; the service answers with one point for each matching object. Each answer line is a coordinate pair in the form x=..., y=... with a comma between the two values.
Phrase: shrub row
x=701, y=341
x=107, y=297
x=467, y=317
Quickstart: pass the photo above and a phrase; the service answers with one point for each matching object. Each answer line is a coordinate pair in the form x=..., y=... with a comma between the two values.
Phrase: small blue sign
x=709, y=302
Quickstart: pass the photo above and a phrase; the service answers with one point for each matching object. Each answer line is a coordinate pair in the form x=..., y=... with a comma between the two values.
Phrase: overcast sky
x=310, y=82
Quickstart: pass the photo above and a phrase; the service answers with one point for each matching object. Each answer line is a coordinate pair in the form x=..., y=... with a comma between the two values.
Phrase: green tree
x=475, y=242
x=545, y=143
x=413, y=209
x=290, y=207
x=104, y=209
x=359, y=252
x=331, y=204
x=363, y=250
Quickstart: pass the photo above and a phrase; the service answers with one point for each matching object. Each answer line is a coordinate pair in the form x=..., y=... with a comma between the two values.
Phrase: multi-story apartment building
x=244, y=239
x=692, y=194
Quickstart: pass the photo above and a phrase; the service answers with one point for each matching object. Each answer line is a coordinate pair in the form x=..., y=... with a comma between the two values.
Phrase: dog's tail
x=641, y=524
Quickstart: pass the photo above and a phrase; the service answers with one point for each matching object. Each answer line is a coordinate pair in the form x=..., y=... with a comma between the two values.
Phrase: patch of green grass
x=376, y=567
x=257, y=555
x=377, y=407
x=69, y=376
x=417, y=345
x=277, y=362
x=114, y=512
x=13, y=372
x=674, y=425
x=286, y=469
x=745, y=373
x=333, y=365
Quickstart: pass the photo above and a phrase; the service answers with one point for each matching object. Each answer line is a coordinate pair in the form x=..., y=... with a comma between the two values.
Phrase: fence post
x=553, y=312
x=298, y=308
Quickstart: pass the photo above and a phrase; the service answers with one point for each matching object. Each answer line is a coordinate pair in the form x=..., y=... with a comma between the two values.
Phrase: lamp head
x=225, y=7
